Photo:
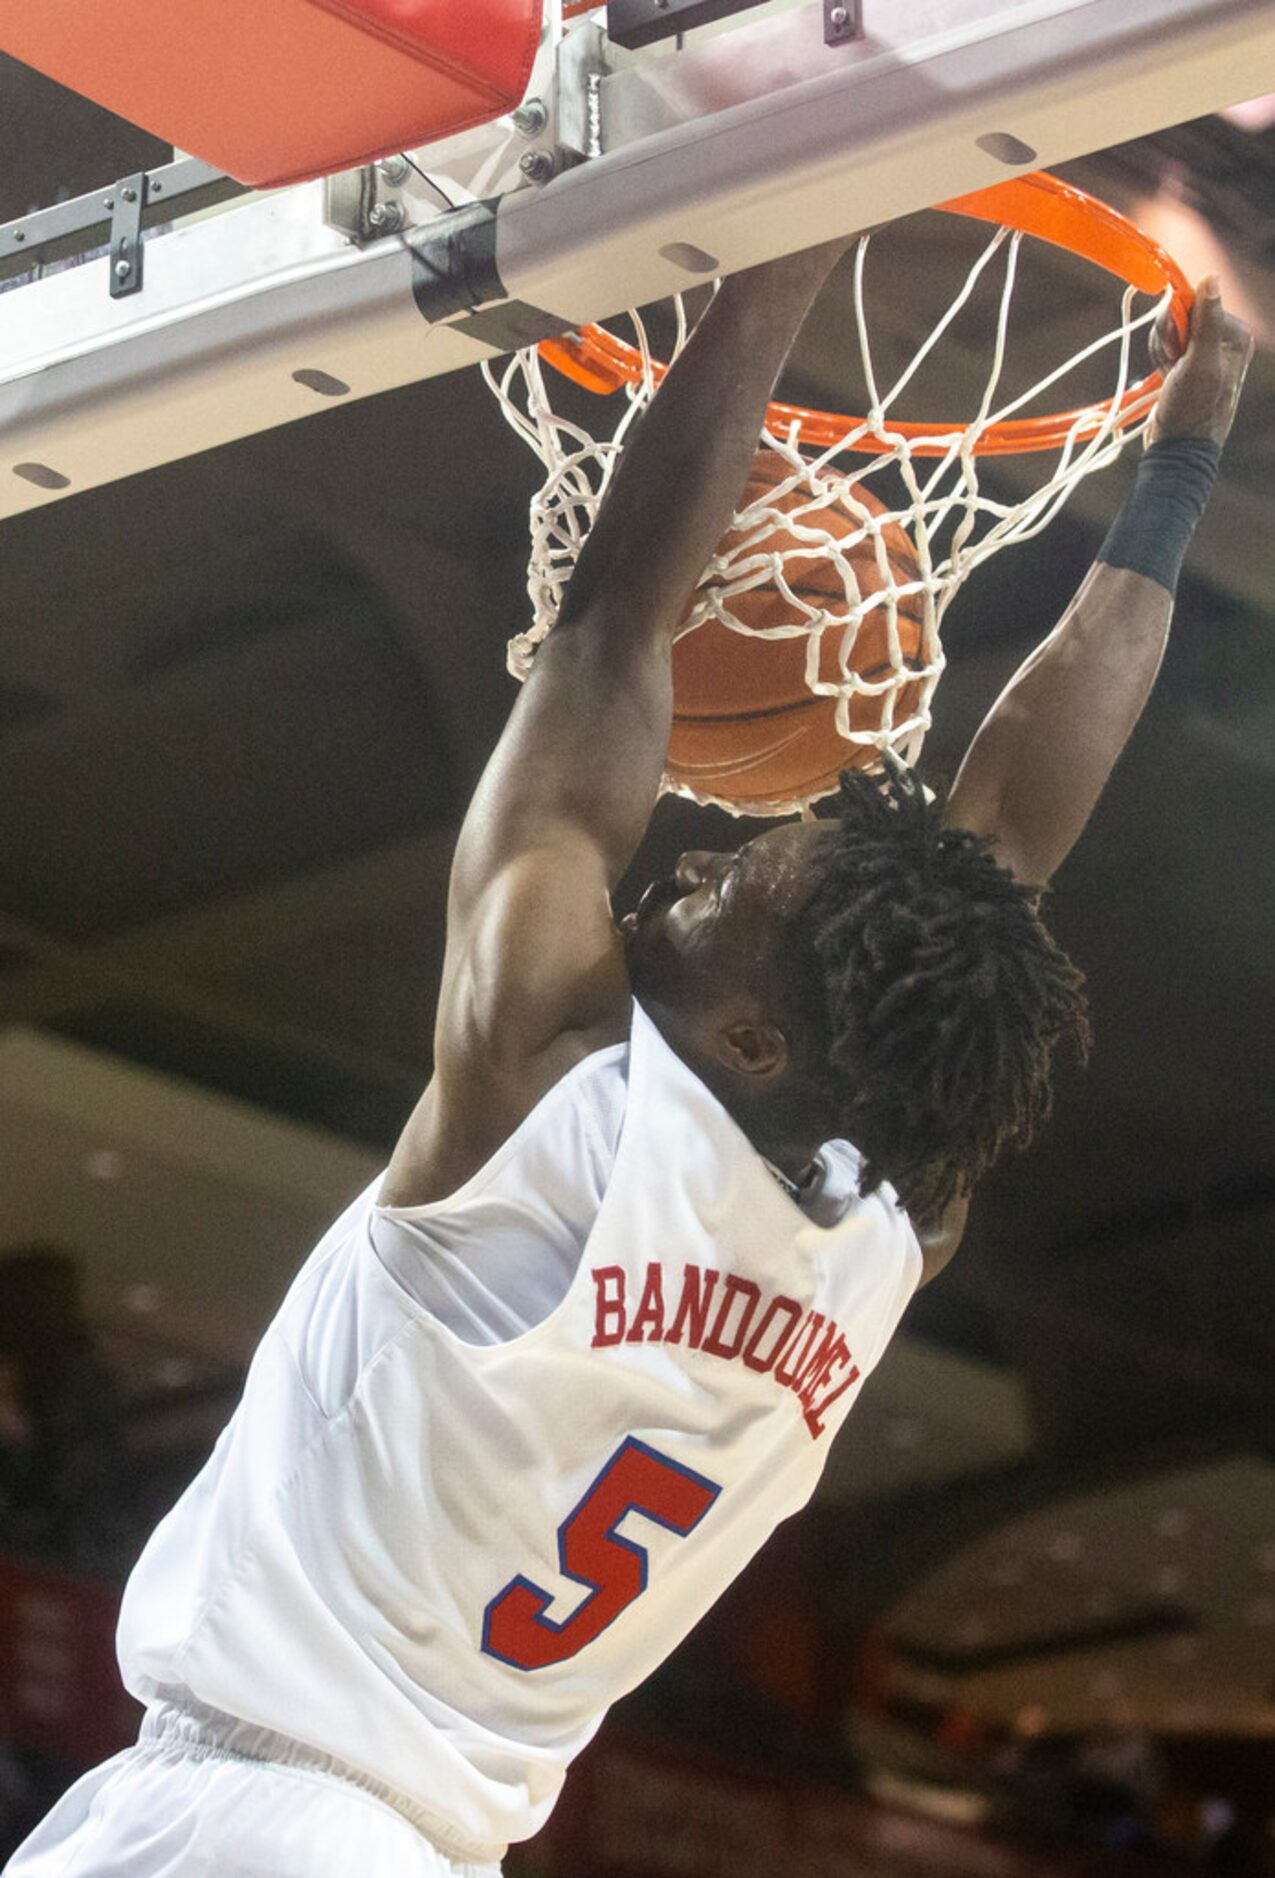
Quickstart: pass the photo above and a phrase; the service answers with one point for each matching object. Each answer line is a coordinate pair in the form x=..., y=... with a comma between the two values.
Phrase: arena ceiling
x=242, y=703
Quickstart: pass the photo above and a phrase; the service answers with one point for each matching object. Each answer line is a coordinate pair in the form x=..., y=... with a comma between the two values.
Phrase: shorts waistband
x=175, y=1719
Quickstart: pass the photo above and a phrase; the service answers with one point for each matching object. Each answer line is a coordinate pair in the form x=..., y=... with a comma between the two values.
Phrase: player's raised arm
x=534, y=975
x=584, y=749
x=1038, y=764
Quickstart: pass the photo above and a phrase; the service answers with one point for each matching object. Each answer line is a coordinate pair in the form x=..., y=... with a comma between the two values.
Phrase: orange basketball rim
x=1039, y=205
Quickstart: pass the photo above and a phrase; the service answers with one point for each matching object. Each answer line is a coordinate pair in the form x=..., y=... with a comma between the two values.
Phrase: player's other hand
x=1201, y=383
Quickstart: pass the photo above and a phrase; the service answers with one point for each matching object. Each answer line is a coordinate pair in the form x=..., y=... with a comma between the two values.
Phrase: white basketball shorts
x=174, y=1807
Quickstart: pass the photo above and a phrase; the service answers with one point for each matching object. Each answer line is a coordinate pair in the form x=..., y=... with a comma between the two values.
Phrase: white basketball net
x=953, y=523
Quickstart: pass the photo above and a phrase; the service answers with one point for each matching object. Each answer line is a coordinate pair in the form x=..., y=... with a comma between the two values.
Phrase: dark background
x=243, y=701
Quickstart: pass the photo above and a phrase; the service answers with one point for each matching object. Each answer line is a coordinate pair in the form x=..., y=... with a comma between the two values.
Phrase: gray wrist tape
x=1153, y=530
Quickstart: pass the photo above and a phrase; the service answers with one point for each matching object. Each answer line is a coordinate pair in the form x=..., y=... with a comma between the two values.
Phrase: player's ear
x=753, y=1048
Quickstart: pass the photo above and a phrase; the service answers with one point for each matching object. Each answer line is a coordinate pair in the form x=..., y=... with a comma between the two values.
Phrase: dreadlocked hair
x=940, y=993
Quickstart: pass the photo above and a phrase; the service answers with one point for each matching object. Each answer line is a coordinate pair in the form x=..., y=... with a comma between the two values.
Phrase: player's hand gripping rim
x=1202, y=381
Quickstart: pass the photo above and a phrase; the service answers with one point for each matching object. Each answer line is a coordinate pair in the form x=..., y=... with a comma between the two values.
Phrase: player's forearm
x=687, y=461
x=1034, y=772
x=1038, y=765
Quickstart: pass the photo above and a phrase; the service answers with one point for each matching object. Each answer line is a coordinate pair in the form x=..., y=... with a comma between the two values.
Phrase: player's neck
x=785, y=1124
x=791, y=1162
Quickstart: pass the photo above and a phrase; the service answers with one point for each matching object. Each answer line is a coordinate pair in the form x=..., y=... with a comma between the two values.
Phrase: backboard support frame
x=66, y=230
x=753, y=140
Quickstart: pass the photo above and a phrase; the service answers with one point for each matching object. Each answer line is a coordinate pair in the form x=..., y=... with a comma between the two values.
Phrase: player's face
x=712, y=925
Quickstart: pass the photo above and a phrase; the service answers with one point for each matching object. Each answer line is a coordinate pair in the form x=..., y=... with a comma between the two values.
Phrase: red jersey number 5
x=636, y=1479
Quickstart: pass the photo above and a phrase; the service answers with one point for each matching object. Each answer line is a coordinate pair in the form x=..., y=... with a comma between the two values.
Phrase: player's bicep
x=533, y=956
x=581, y=757
x=534, y=975
x=977, y=804
x=534, y=980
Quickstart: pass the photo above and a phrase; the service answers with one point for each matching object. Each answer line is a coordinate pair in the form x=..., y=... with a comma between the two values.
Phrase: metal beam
x=75, y=229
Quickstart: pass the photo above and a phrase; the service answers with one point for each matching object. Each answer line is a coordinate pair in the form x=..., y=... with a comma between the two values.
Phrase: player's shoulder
x=837, y=1190
x=472, y=1109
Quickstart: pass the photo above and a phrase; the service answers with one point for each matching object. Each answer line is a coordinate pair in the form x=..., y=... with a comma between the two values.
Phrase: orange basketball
x=746, y=728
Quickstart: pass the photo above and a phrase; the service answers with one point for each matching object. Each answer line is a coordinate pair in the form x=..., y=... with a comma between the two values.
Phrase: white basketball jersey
x=441, y=1561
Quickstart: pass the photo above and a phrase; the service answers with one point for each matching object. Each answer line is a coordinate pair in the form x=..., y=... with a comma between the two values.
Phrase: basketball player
x=543, y=1390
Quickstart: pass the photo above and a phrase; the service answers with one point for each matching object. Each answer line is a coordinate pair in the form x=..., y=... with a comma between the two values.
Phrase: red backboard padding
x=273, y=91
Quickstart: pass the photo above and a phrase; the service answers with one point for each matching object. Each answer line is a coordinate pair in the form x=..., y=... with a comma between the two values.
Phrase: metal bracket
x=348, y=200
x=366, y=203
x=564, y=127
x=126, y=202
x=842, y=21
x=90, y=225
x=582, y=65
x=634, y=23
